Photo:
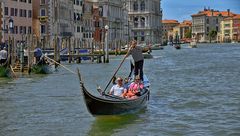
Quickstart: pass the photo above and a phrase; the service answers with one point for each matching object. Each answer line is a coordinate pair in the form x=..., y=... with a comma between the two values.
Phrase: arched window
x=142, y=5
x=135, y=6
x=142, y=21
x=136, y=22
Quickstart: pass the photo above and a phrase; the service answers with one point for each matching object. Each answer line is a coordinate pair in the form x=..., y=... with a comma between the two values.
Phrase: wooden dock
x=78, y=57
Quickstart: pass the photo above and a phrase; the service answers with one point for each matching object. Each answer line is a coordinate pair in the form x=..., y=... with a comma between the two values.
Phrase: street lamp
x=106, y=44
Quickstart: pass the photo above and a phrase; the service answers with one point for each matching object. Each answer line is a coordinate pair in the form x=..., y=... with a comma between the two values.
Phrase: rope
x=61, y=65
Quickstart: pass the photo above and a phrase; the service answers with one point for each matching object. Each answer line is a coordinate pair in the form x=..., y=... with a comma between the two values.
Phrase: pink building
x=21, y=13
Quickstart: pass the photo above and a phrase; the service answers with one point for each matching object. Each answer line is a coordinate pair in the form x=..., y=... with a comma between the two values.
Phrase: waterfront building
x=167, y=28
x=97, y=14
x=230, y=29
x=206, y=22
x=78, y=27
x=183, y=31
x=20, y=11
x=145, y=18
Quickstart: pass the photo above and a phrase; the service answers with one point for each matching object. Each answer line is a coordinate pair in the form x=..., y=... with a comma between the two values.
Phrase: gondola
x=4, y=69
x=177, y=46
x=112, y=105
x=42, y=67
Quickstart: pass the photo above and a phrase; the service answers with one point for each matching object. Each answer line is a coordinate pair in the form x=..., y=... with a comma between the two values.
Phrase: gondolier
x=137, y=55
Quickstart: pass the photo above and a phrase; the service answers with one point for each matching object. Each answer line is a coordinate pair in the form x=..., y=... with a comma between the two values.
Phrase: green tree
x=188, y=33
x=212, y=35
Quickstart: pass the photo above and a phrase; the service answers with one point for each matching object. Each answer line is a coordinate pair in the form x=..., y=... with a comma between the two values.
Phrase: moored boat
x=110, y=105
x=177, y=46
x=193, y=44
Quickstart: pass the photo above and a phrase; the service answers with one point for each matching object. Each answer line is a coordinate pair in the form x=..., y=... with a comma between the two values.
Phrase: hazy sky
x=183, y=9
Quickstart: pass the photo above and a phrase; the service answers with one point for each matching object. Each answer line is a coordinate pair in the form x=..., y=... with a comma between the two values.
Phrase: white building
x=145, y=19
x=78, y=28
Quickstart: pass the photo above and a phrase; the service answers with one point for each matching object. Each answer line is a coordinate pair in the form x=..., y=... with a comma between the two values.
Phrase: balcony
x=43, y=19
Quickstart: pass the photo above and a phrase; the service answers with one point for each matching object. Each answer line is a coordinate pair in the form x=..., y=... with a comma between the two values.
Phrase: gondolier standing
x=137, y=55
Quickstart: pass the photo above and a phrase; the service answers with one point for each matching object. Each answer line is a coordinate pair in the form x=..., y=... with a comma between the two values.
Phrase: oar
x=114, y=74
x=61, y=65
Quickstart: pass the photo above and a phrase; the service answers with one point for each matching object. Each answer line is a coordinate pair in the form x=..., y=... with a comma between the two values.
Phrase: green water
x=194, y=92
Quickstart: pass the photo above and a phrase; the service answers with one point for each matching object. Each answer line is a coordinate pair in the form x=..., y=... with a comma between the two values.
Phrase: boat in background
x=156, y=47
x=193, y=44
x=177, y=46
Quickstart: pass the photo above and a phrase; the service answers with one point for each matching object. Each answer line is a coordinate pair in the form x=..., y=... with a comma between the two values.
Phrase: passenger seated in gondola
x=118, y=89
x=134, y=89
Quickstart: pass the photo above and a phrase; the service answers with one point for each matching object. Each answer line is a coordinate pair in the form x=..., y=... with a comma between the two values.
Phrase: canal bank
x=193, y=92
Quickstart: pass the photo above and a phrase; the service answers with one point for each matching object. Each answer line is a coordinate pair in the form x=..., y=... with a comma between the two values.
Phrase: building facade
x=78, y=27
x=20, y=11
x=230, y=29
x=183, y=31
x=206, y=21
x=145, y=18
x=167, y=28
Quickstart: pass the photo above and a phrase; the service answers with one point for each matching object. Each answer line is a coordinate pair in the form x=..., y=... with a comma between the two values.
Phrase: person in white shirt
x=118, y=89
x=3, y=56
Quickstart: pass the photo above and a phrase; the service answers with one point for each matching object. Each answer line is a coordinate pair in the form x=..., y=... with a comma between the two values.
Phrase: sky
x=183, y=9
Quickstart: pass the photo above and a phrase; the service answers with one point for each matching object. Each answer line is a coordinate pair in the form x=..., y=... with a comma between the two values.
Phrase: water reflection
x=108, y=125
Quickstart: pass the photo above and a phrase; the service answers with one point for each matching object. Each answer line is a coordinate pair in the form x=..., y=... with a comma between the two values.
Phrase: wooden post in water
x=9, y=49
x=69, y=50
x=55, y=50
x=28, y=54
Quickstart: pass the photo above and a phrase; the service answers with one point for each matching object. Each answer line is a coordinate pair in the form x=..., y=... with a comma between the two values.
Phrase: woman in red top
x=134, y=88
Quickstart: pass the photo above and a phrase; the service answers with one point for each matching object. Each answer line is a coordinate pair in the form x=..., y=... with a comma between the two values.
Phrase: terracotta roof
x=186, y=23
x=213, y=13
x=237, y=16
x=170, y=22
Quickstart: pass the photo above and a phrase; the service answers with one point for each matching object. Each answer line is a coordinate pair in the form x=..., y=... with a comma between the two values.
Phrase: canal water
x=194, y=92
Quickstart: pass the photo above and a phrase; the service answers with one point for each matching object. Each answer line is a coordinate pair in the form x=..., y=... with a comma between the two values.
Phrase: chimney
x=228, y=10
x=212, y=11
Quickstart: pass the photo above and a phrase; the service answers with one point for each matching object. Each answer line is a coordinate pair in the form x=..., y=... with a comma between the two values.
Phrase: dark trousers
x=2, y=61
x=139, y=68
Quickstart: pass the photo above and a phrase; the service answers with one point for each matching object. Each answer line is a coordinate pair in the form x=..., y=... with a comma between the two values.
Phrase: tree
x=188, y=33
x=212, y=35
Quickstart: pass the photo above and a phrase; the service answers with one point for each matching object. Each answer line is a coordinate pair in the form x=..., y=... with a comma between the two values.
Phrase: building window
x=16, y=12
x=43, y=12
x=207, y=21
x=29, y=30
x=6, y=11
x=217, y=29
x=78, y=29
x=136, y=22
x=29, y=1
x=21, y=13
x=142, y=36
x=135, y=6
x=43, y=29
x=29, y=13
x=142, y=5
x=23, y=1
x=135, y=35
x=25, y=30
x=142, y=22
x=12, y=12
x=78, y=2
x=217, y=20
x=16, y=29
x=21, y=30
x=207, y=29
x=43, y=2
x=24, y=13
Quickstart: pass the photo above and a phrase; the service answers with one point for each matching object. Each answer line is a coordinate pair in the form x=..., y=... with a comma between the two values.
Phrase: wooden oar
x=61, y=65
x=114, y=74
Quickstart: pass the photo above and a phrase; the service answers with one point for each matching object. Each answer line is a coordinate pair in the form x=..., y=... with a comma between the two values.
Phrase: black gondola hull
x=109, y=106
